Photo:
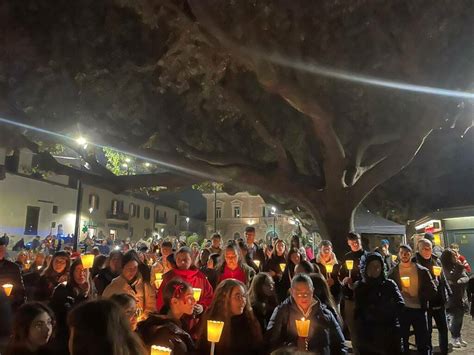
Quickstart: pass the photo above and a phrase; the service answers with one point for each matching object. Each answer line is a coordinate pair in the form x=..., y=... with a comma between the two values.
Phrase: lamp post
x=81, y=141
x=187, y=224
x=274, y=220
x=215, y=206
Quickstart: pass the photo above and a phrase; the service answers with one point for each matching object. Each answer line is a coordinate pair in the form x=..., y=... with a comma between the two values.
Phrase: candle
x=8, y=289
x=437, y=270
x=87, y=260
x=159, y=276
x=394, y=258
x=158, y=283
x=350, y=264
x=214, y=330
x=405, y=281
x=257, y=263
x=38, y=267
x=329, y=268
x=302, y=327
x=197, y=294
x=282, y=267
x=160, y=350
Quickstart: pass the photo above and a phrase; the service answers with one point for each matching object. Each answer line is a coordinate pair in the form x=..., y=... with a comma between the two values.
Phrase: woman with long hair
x=323, y=293
x=167, y=328
x=293, y=258
x=128, y=304
x=132, y=282
x=32, y=329
x=113, y=267
x=325, y=260
x=262, y=297
x=278, y=256
x=231, y=305
x=457, y=302
x=100, y=327
x=54, y=274
x=233, y=266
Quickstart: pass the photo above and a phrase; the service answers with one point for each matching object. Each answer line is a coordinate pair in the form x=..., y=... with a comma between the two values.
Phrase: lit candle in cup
x=159, y=276
x=8, y=289
x=349, y=266
x=394, y=258
x=160, y=350
x=329, y=269
x=196, y=293
x=405, y=281
x=214, y=332
x=257, y=263
x=282, y=267
x=158, y=283
x=302, y=327
x=437, y=270
x=87, y=260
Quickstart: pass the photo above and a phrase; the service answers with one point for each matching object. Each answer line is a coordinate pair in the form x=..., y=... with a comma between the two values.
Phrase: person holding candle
x=162, y=264
x=323, y=293
x=232, y=266
x=417, y=294
x=210, y=269
x=21, y=259
x=263, y=298
x=461, y=258
x=278, y=256
x=113, y=268
x=378, y=306
x=457, y=303
x=326, y=257
x=293, y=258
x=128, y=304
x=167, y=328
x=231, y=306
x=325, y=335
x=100, y=327
x=349, y=274
x=32, y=330
x=437, y=307
x=384, y=250
x=10, y=274
x=131, y=281
x=254, y=251
x=56, y=273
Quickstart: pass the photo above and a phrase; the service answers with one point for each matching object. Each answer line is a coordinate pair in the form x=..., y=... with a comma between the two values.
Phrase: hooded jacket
x=325, y=335
x=378, y=305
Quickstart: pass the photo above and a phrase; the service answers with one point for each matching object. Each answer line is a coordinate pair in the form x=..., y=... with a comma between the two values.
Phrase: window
x=236, y=212
x=32, y=217
x=94, y=201
x=157, y=216
x=132, y=210
x=146, y=212
x=55, y=209
x=53, y=224
x=138, y=211
x=164, y=217
x=175, y=219
x=218, y=212
x=264, y=212
x=114, y=207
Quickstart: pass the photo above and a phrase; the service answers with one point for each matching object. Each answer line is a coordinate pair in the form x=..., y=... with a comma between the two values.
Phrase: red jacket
x=195, y=278
x=464, y=263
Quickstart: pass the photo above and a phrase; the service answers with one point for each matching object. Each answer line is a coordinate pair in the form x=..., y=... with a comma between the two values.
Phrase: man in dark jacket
x=10, y=274
x=418, y=289
x=254, y=251
x=378, y=307
x=356, y=253
x=384, y=250
x=325, y=335
x=436, y=310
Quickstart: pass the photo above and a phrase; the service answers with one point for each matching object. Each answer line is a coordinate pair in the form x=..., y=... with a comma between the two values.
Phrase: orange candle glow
x=394, y=258
x=87, y=260
x=257, y=263
x=282, y=267
x=158, y=283
x=159, y=276
x=8, y=289
x=214, y=330
x=160, y=350
x=197, y=294
x=437, y=270
x=350, y=264
x=329, y=268
x=302, y=327
x=405, y=281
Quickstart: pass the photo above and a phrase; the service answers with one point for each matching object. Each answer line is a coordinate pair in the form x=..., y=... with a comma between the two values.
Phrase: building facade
x=231, y=214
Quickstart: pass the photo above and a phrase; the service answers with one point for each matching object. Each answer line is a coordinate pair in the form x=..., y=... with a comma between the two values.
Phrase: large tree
x=258, y=95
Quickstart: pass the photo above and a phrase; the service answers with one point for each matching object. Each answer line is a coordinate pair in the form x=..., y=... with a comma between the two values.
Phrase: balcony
x=118, y=216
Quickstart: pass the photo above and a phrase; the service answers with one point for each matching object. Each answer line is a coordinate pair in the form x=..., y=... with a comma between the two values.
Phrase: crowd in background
x=136, y=296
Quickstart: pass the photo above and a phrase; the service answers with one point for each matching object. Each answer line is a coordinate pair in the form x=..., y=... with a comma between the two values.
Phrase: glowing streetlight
x=128, y=160
x=147, y=164
x=125, y=165
x=81, y=140
x=91, y=209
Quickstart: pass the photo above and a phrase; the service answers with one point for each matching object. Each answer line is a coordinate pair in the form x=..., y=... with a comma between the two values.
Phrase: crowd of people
x=275, y=297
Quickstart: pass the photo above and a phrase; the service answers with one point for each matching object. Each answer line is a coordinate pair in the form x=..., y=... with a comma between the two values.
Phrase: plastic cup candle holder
x=158, y=283
x=302, y=327
x=405, y=281
x=196, y=293
x=214, y=332
x=8, y=289
x=87, y=260
x=394, y=258
x=350, y=266
x=437, y=270
x=159, y=276
x=282, y=267
x=160, y=350
x=257, y=263
x=329, y=269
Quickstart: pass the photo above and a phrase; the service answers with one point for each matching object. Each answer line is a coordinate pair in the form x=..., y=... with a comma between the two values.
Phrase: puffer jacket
x=140, y=290
x=457, y=279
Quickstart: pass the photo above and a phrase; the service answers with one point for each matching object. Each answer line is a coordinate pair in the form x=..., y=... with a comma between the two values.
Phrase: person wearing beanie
x=384, y=251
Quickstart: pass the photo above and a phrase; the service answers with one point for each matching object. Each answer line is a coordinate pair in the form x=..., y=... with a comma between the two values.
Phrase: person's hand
x=62, y=278
x=330, y=281
x=198, y=309
x=272, y=273
x=347, y=281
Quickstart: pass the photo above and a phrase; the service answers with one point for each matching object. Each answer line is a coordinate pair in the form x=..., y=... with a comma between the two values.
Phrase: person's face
x=302, y=293
x=299, y=269
x=40, y=330
x=141, y=256
x=231, y=259
x=280, y=248
x=39, y=260
x=295, y=258
x=404, y=255
x=355, y=245
x=184, y=304
x=238, y=300
x=385, y=249
x=210, y=264
x=130, y=270
x=183, y=261
x=3, y=251
x=115, y=263
x=22, y=257
x=250, y=237
x=374, y=269
x=268, y=287
x=216, y=242
x=425, y=250
x=131, y=313
x=204, y=257
x=59, y=264
x=80, y=275
x=166, y=251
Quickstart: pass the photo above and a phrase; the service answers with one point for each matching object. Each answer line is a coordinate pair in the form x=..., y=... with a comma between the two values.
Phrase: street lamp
x=82, y=142
x=187, y=224
x=274, y=220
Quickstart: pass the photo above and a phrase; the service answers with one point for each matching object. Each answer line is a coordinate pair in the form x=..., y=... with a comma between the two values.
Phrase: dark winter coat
x=325, y=335
x=457, y=280
x=378, y=305
x=427, y=289
x=355, y=272
x=45, y=287
x=103, y=279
